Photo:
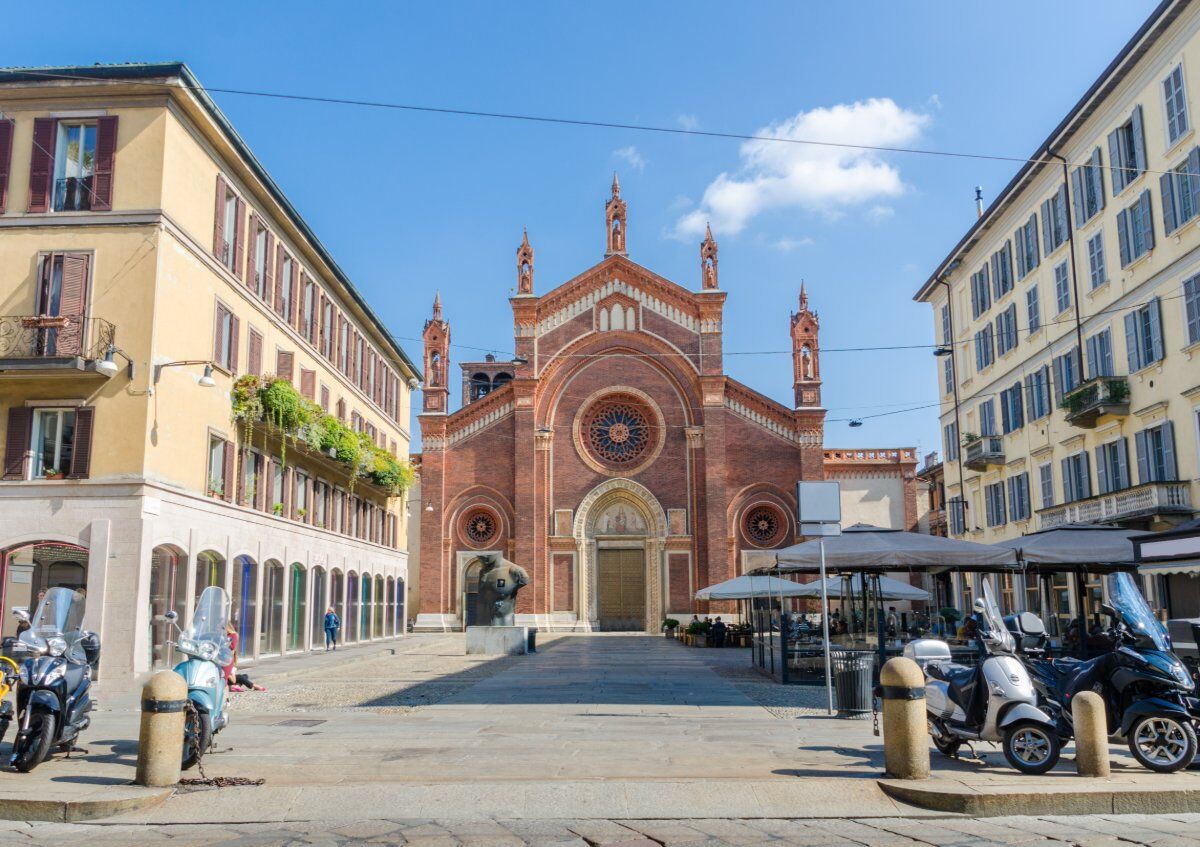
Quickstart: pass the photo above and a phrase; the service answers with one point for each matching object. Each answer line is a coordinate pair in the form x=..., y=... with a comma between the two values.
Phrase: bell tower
x=525, y=265
x=614, y=222
x=708, y=260
x=437, y=360
x=806, y=355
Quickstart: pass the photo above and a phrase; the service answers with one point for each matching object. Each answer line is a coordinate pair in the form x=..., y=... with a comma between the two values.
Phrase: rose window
x=618, y=431
x=764, y=525
x=480, y=527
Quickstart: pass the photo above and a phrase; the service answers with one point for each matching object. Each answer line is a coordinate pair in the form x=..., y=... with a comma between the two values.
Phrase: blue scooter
x=206, y=646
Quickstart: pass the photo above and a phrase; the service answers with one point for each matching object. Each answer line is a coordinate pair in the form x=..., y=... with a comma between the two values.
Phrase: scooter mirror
x=1109, y=610
x=21, y=612
x=171, y=616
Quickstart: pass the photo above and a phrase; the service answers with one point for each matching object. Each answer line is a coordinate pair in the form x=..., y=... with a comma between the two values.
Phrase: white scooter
x=994, y=701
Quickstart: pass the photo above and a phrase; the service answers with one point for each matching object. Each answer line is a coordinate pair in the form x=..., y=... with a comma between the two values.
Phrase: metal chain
x=875, y=715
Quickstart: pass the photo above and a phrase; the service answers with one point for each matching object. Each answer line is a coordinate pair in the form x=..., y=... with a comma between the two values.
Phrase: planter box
x=669, y=633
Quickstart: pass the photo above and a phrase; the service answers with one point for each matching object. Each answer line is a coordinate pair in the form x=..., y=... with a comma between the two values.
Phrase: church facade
x=613, y=458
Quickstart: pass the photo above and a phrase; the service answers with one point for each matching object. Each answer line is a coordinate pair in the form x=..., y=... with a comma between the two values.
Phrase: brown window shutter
x=341, y=410
x=16, y=442
x=220, y=319
x=308, y=383
x=239, y=238
x=268, y=285
x=288, y=500
x=219, y=223
x=7, y=127
x=269, y=496
x=41, y=163
x=284, y=363
x=254, y=351
x=325, y=397
x=241, y=478
x=251, y=241
x=102, y=172
x=310, y=514
x=229, y=470
x=81, y=443
x=294, y=317
x=279, y=254
x=318, y=330
x=73, y=302
x=234, y=337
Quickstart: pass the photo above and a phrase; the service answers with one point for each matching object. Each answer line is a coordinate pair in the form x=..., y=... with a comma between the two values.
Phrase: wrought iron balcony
x=1088, y=402
x=51, y=342
x=984, y=451
x=73, y=194
x=1153, y=498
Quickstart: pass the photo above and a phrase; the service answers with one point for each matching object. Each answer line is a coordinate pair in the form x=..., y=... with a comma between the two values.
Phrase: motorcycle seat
x=962, y=682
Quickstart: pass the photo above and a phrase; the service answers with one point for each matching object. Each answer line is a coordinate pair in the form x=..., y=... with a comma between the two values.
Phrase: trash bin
x=852, y=671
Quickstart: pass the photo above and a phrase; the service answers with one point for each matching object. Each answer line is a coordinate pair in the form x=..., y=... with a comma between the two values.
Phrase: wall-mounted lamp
x=429, y=505
x=942, y=351
x=108, y=365
x=854, y=424
x=519, y=360
x=205, y=381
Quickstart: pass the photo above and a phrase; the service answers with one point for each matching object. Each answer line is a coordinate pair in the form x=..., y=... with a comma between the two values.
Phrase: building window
x=1062, y=288
x=1077, y=478
x=1175, y=100
x=1181, y=192
x=283, y=303
x=1006, y=330
x=1112, y=466
x=229, y=224
x=320, y=494
x=225, y=339
x=1055, y=226
x=1067, y=373
x=948, y=374
x=300, y=498
x=1002, y=276
x=1018, y=497
x=956, y=515
x=1191, y=304
x=1143, y=336
x=981, y=294
x=53, y=442
x=277, y=488
x=1135, y=230
x=985, y=349
x=1033, y=309
x=994, y=503
x=1100, y=355
x=344, y=349
x=74, y=166
x=1097, y=272
x=1087, y=188
x=1028, y=254
x=261, y=247
x=1156, y=454
x=1012, y=409
x=308, y=311
x=327, y=331
x=1127, y=151
x=1037, y=387
x=987, y=418
x=950, y=437
x=946, y=339
x=1046, y=484
x=251, y=469
x=217, y=482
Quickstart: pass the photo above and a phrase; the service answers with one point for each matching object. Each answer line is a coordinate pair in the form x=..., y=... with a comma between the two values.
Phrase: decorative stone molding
x=617, y=286
x=695, y=437
x=543, y=439
x=767, y=423
x=480, y=423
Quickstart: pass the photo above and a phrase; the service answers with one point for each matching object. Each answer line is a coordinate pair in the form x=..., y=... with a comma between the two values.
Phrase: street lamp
x=519, y=360
x=942, y=351
x=205, y=381
x=108, y=367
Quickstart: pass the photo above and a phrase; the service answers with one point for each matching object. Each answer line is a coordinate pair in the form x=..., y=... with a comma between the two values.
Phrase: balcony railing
x=1090, y=401
x=54, y=337
x=1153, y=498
x=73, y=194
x=984, y=451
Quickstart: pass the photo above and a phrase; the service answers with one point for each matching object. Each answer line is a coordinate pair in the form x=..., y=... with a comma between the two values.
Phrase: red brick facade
x=615, y=428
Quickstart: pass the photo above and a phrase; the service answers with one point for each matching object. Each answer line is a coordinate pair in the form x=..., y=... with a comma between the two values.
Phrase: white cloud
x=688, y=121
x=631, y=155
x=787, y=244
x=813, y=177
x=879, y=214
x=934, y=102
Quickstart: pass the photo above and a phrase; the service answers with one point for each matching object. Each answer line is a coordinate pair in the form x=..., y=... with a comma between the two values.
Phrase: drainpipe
x=962, y=481
x=1071, y=250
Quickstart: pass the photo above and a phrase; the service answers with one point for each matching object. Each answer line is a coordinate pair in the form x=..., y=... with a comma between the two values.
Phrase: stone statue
x=499, y=582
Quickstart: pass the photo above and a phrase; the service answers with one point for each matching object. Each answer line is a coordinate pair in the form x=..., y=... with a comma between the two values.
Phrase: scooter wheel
x=197, y=737
x=31, y=750
x=1162, y=743
x=947, y=746
x=1031, y=747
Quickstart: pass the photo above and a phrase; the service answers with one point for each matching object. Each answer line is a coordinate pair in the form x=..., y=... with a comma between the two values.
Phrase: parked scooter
x=206, y=646
x=54, y=684
x=9, y=671
x=994, y=701
x=1144, y=685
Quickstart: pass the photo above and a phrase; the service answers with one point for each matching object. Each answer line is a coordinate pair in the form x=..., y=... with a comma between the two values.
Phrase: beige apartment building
x=148, y=262
x=1069, y=319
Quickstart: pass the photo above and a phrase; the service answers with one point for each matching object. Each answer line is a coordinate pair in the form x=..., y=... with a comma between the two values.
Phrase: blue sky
x=412, y=203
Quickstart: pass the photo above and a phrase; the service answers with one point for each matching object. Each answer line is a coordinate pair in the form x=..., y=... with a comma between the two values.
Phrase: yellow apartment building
x=1068, y=319
x=150, y=266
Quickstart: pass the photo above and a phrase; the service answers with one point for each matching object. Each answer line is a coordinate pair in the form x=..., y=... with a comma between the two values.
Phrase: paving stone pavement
x=1089, y=831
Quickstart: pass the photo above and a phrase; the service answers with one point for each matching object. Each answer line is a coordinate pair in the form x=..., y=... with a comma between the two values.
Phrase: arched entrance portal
x=620, y=532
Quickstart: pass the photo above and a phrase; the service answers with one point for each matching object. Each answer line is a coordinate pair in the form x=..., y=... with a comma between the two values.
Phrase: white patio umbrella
x=746, y=587
x=888, y=589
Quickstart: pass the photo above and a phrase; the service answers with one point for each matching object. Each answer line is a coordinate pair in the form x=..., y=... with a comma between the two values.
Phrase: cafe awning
x=884, y=587
x=1075, y=544
x=863, y=547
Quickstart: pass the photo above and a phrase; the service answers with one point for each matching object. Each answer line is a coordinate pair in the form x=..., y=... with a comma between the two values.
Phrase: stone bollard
x=905, y=727
x=160, y=743
x=1091, y=734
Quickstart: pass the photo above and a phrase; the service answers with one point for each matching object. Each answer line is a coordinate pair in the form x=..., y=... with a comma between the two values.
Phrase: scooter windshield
x=59, y=615
x=994, y=621
x=211, y=616
x=1135, y=612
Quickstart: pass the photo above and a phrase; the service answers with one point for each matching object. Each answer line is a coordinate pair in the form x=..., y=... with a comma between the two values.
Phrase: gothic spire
x=614, y=221
x=708, y=260
x=803, y=298
x=616, y=186
x=437, y=306
x=525, y=265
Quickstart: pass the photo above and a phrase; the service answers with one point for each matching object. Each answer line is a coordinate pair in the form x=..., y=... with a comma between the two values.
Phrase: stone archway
x=623, y=515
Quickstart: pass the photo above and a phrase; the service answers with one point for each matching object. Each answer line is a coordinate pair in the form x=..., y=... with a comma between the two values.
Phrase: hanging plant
x=247, y=404
x=390, y=473
x=286, y=410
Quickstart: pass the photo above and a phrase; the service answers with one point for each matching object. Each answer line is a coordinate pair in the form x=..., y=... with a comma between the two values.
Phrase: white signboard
x=819, y=508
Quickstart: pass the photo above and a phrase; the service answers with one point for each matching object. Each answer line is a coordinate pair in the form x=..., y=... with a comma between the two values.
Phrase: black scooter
x=1145, y=687
x=54, y=684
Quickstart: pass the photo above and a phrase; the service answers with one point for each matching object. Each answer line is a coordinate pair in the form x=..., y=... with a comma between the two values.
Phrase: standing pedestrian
x=332, y=624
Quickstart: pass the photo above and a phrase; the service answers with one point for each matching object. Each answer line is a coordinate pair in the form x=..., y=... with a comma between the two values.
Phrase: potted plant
x=301, y=512
x=669, y=626
x=698, y=634
x=277, y=509
x=52, y=473
x=951, y=616
x=216, y=488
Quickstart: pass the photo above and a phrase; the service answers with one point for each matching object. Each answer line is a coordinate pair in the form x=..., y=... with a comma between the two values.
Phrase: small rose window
x=480, y=526
x=764, y=525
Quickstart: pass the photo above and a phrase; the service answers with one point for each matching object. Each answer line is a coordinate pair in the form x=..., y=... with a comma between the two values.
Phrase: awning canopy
x=888, y=588
x=1180, y=543
x=747, y=586
x=863, y=547
x=1187, y=566
x=1075, y=544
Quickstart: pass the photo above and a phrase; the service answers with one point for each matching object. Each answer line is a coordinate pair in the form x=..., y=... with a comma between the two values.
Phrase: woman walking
x=332, y=624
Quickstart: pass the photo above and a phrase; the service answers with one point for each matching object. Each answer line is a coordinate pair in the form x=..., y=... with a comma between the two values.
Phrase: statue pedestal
x=497, y=640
